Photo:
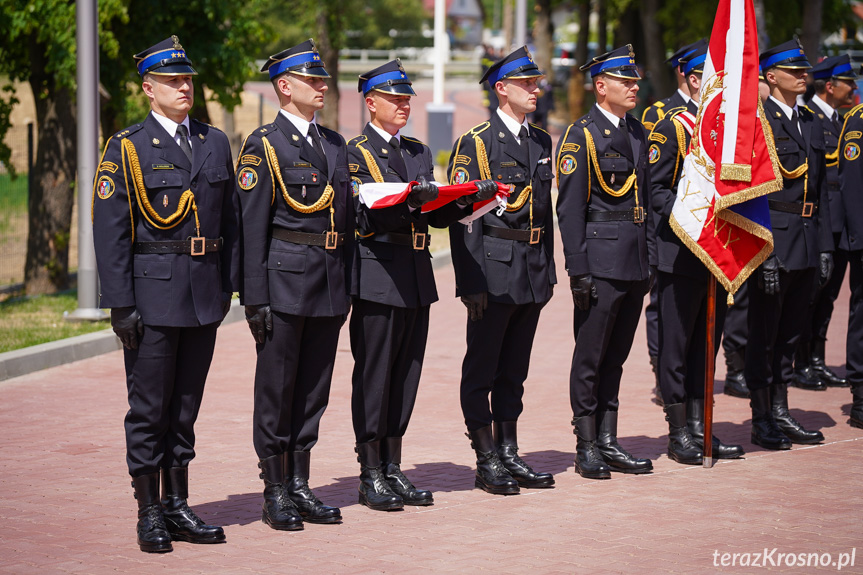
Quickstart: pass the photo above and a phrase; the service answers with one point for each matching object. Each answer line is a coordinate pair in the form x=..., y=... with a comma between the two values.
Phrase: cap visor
x=525, y=74
x=317, y=72
x=400, y=89
x=625, y=74
x=174, y=70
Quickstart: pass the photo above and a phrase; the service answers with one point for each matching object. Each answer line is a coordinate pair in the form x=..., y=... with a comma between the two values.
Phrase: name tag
x=163, y=166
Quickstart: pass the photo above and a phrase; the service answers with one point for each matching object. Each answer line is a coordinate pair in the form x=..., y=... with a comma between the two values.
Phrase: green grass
x=13, y=193
x=26, y=321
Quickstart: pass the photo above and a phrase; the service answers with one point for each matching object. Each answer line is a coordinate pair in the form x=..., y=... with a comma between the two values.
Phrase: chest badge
x=165, y=200
x=155, y=141
x=612, y=179
x=304, y=191
x=314, y=178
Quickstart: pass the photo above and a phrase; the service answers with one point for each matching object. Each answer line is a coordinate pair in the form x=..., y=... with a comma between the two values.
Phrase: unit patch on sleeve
x=108, y=167
x=657, y=137
x=852, y=151
x=460, y=176
x=653, y=154
x=355, y=186
x=852, y=135
x=251, y=159
x=104, y=187
x=247, y=178
x=567, y=164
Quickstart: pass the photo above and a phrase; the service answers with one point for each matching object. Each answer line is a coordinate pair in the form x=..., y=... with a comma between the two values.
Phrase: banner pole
x=709, y=368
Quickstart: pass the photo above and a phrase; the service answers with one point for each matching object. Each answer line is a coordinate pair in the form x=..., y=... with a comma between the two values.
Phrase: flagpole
x=709, y=368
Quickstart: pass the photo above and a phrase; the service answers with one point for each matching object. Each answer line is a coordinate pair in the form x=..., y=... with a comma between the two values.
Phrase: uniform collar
x=301, y=124
x=386, y=135
x=684, y=96
x=512, y=124
x=615, y=120
x=170, y=125
x=784, y=107
x=825, y=107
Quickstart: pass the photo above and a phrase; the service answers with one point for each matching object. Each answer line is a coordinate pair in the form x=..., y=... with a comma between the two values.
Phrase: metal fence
x=13, y=205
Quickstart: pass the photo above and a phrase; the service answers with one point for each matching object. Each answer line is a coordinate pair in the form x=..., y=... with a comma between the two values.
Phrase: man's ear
x=284, y=86
x=147, y=86
x=371, y=104
x=770, y=76
x=600, y=86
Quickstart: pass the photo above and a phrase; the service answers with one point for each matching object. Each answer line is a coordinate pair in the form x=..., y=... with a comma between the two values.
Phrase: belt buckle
x=199, y=246
x=808, y=209
x=638, y=215
x=420, y=241
x=332, y=241
x=535, y=235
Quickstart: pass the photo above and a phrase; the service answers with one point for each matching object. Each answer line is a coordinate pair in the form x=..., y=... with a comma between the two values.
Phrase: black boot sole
x=321, y=520
x=854, y=422
x=496, y=490
x=805, y=440
x=156, y=547
x=391, y=506
x=630, y=470
x=197, y=540
x=281, y=526
x=535, y=484
x=782, y=446
x=683, y=460
x=593, y=474
x=809, y=387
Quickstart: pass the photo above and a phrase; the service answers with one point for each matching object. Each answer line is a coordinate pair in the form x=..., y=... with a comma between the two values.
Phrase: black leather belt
x=803, y=209
x=328, y=240
x=418, y=241
x=635, y=215
x=531, y=236
x=194, y=246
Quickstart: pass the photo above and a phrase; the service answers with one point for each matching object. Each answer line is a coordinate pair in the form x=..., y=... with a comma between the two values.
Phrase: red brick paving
x=66, y=505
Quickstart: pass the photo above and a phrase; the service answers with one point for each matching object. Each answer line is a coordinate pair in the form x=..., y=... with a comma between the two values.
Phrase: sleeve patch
x=105, y=187
x=355, y=185
x=653, y=154
x=656, y=137
x=852, y=151
x=354, y=168
x=567, y=164
x=460, y=176
x=251, y=159
x=570, y=148
x=853, y=135
x=112, y=167
x=247, y=178
x=462, y=159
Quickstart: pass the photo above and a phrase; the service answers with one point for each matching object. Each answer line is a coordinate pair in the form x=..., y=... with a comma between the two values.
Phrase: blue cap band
x=157, y=57
x=599, y=67
x=776, y=58
x=676, y=61
x=507, y=68
x=297, y=60
x=382, y=79
x=831, y=72
x=694, y=63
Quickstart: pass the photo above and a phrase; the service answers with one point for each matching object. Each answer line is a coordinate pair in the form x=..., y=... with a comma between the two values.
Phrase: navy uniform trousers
x=606, y=232
x=517, y=275
x=287, y=265
x=392, y=287
x=180, y=297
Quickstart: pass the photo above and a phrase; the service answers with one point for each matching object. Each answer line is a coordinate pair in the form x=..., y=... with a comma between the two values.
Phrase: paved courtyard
x=66, y=504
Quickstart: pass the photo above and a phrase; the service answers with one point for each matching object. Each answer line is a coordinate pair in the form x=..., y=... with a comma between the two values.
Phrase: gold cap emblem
x=176, y=42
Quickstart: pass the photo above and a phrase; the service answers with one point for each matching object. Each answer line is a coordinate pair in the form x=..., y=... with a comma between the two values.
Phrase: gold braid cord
x=372, y=165
x=187, y=200
x=325, y=201
x=485, y=174
x=630, y=181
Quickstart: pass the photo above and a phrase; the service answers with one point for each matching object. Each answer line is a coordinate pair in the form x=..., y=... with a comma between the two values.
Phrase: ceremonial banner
x=721, y=211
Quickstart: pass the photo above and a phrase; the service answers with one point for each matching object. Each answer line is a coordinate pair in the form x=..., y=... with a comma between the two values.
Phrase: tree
x=575, y=95
x=39, y=48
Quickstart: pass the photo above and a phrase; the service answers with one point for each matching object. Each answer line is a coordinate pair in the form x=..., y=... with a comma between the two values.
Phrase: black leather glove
x=475, y=304
x=260, y=320
x=768, y=278
x=826, y=268
x=583, y=291
x=422, y=193
x=651, y=277
x=485, y=190
x=128, y=325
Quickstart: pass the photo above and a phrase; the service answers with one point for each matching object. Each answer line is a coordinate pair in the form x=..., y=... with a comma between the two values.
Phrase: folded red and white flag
x=377, y=195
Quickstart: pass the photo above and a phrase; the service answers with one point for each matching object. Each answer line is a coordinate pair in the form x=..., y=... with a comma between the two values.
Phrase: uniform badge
x=611, y=181
x=567, y=164
x=247, y=178
x=653, y=154
x=460, y=176
x=852, y=151
x=155, y=141
x=295, y=137
x=201, y=136
x=355, y=186
x=500, y=135
x=165, y=200
x=853, y=135
x=108, y=167
x=384, y=151
x=314, y=178
x=104, y=187
x=251, y=159
x=607, y=132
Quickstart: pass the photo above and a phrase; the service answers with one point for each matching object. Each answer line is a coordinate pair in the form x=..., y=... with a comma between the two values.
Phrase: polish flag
x=378, y=195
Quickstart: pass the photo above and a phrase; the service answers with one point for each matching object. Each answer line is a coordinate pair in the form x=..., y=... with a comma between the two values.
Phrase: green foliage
x=6, y=105
x=27, y=321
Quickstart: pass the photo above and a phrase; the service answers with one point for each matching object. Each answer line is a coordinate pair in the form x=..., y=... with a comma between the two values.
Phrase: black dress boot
x=657, y=393
x=615, y=456
x=391, y=460
x=375, y=492
x=856, y=418
x=804, y=375
x=765, y=432
x=735, y=383
x=181, y=521
x=279, y=512
x=491, y=475
x=506, y=441
x=588, y=462
x=787, y=424
x=824, y=373
x=681, y=446
x=695, y=423
x=153, y=536
x=309, y=506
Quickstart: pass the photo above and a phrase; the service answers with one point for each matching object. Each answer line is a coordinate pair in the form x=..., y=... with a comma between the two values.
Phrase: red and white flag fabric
x=377, y=195
x=721, y=210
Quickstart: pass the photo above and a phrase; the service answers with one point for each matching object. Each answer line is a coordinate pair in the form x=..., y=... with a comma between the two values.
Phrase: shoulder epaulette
x=538, y=128
x=674, y=111
x=128, y=131
x=584, y=120
x=206, y=124
x=325, y=129
x=265, y=129
x=480, y=128
x=659, y=104
x=356, y=140
x=414, y=140
x=807, y=111
x=854, y=110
